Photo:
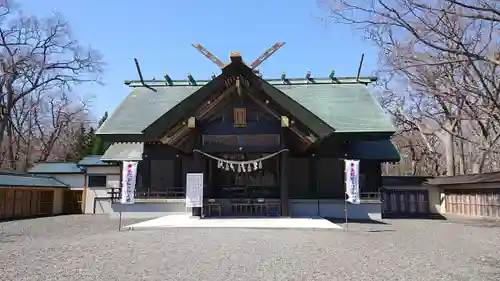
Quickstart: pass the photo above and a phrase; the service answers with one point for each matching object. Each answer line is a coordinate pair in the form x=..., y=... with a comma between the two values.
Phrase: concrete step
x=146, y=215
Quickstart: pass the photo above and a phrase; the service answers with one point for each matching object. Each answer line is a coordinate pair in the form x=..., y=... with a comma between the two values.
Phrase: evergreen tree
x=81, y=142
x=100, y=146
x=95, y=145
x=90, y=139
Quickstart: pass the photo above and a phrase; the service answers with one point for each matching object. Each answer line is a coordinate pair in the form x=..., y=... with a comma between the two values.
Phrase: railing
x=242, y=209
x=148, y=193
x=370, y=195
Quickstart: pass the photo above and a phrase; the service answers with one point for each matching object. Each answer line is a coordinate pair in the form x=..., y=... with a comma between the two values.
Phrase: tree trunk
x=3, y=127
x=446, y=139
x=477, y=166
x=10, y=148
x=462, y=168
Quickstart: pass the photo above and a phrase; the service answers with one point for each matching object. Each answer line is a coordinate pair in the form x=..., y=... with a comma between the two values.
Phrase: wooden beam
x=307, y=138
x=178, y=131
x=191, y=123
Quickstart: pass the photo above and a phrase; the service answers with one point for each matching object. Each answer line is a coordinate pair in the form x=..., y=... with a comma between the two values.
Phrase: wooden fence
x=73, y=202
x=475, y=203
x=25, y=202
x=404, y=203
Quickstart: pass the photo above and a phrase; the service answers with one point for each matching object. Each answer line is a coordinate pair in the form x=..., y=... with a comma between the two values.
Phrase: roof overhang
x=236, y=68
x=124, y=151
x=159, y=127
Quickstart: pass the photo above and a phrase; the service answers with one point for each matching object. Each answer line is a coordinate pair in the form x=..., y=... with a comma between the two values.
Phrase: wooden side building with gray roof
x=308, y=125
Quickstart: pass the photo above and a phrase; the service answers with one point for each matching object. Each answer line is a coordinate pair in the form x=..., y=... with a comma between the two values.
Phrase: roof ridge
x=272, y=81
x=54, y=162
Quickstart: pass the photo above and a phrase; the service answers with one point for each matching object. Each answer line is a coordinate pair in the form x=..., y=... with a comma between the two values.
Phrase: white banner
x=129, y=176
x=352, y=181
x=194, y=190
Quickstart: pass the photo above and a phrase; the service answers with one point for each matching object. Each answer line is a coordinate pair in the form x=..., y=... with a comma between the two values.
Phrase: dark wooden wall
x=308, y=177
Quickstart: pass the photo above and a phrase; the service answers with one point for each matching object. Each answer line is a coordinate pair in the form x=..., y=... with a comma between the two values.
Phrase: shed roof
x=124, y=151
x=493, y=177
x=93, y=160
x=56, y=168
x=404, y=180
x=383, y=150
x=28, y=180
x=344, y=104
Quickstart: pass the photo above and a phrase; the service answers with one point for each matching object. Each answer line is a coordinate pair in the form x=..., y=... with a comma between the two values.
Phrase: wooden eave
x=176, y=136
x=190, y=104
x=171, y=125
x=302, y=114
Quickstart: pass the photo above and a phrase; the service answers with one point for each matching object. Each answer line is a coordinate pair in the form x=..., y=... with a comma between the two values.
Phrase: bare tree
x=35, y=56
x=441, y=58
x=57, y=117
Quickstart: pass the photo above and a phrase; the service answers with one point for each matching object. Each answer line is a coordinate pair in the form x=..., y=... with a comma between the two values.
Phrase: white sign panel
x=129, y=176
x=194, y=190
x=352, y=181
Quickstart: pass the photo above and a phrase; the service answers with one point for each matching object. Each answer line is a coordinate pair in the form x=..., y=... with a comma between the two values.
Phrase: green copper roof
x=92, y=160
x=344, y=104
x=142, y=107
x=55, y=168
x=346, y=108
x=382, y=150
x=124, y=151
x=28, y=180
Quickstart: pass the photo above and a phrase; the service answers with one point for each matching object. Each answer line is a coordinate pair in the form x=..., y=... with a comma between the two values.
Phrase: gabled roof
x=345, y=107
x=55, y=168
x=28, y=180
x=324, y=105
x=142, y=107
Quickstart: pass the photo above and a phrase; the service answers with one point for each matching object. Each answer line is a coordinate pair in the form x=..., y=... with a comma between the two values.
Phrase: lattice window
x=240, y=117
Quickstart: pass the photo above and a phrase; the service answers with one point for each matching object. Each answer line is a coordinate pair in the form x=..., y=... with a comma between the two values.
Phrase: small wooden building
x=295, y=133
x=26, y=195
x=476, y=195
x=87, y=181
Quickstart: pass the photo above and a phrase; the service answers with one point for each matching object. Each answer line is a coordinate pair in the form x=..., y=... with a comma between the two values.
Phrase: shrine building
x=266, y=147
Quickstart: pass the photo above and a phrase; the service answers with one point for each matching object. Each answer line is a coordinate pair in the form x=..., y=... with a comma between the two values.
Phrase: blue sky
x=159, y=34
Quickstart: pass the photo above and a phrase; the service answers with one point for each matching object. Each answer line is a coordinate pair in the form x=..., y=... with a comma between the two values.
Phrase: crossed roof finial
x=253, y=65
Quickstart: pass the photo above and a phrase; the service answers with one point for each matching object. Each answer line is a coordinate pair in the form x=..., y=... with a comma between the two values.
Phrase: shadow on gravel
x=341, y=221
x=381, y=230
x=414, y=217
x=8, y=238
x=482, y=223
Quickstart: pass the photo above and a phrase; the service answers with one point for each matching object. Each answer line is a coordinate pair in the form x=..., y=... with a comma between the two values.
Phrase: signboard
x=129, y=177
x=352, y=181
x=194, y=190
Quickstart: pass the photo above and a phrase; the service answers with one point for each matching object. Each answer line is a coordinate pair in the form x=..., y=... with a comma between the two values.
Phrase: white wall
x=112, y=179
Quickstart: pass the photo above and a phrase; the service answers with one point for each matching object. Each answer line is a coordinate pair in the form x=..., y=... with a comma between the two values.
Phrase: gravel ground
x=91, y=248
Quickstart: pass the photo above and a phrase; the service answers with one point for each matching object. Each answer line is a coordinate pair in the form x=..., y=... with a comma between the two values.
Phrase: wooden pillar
x=284, y=161
x=313, y=176
x=198, y=168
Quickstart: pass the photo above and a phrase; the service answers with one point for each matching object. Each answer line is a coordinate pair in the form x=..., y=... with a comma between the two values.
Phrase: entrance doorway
x=261, y=183
x=243, y=193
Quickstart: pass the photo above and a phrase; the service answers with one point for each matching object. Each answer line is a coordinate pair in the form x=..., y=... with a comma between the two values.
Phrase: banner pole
x=345, y=213
x=346, y=170
x=120, y=221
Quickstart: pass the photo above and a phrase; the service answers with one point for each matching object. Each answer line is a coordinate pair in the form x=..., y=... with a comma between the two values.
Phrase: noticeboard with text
x=194, y=190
